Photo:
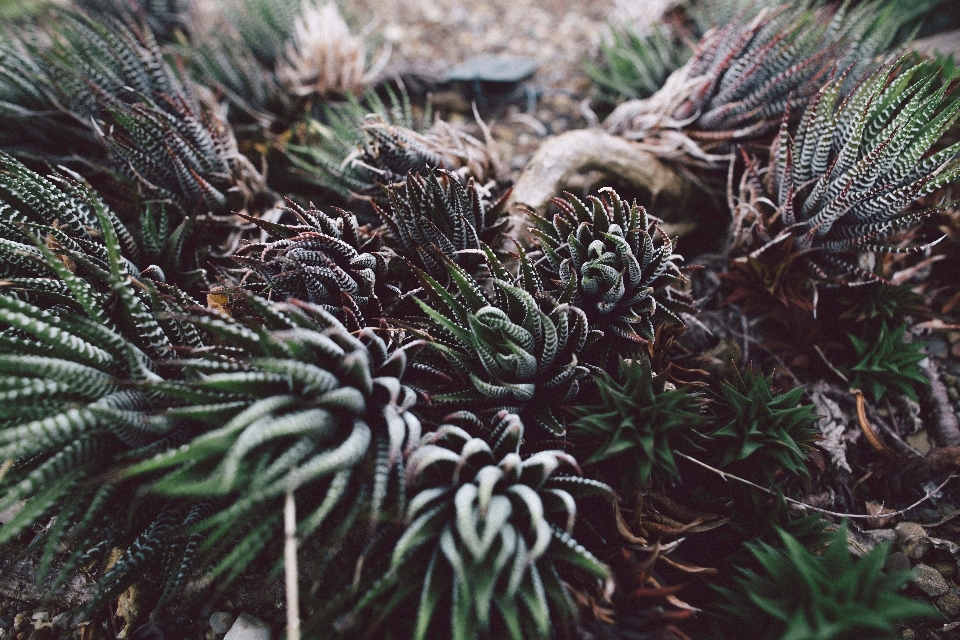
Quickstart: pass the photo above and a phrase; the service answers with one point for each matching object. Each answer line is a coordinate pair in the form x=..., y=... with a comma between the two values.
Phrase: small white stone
x=220, y=622
x=248, y=628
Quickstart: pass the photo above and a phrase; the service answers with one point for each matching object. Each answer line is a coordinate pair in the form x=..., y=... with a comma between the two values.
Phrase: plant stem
x=290, y=567
x=803, y=505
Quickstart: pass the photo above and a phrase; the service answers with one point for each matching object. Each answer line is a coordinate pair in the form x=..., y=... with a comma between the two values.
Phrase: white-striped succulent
x=746, y=73
x=844, y=183
x=519, y=350
x=489, y=536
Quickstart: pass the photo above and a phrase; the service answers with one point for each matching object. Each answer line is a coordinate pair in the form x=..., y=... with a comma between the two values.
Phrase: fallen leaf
x=877, y=509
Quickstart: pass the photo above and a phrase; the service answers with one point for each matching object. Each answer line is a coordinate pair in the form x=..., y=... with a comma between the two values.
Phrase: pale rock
x=220, y=622
x=930, y=581
x=249, y=628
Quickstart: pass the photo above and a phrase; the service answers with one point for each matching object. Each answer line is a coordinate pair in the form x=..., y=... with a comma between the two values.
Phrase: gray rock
x=912, y=539
x=937, y=347
x=249, y=628
x=220, y=622
x=490, y=68
x=949, y=602
x=897, y=561
x=930, y=581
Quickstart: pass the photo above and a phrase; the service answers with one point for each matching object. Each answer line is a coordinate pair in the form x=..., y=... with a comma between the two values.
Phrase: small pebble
x=949, y=602
x=912, y=539
x=929, y=580
x=897, y=561
x=20, y=621
x=946, y=568
x=937, y=347
x=909, y=634
x=249, y=628
x=220, y=622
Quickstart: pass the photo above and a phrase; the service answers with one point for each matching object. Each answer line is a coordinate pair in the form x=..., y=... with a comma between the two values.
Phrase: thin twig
x=290, y=567
x=828, y=363
x=894, y=431
x=803, y=505
x=4, y=468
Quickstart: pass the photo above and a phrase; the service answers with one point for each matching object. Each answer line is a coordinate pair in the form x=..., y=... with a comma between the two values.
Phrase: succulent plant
x=163, y=17
x=884, y=362
x=324, y=151
x=226, y=63
x=323, y=58
x=630, y=436
x=519, y=350
x=104, y=93
x=308, y=408
x=612, y=260
x=102, y=367
x=881, y=302
x=488, y=535
x=51, y=85
x=325, y=260
x=797, y=594
x=436, y=218
x=266, y=25
x=83, y=334
x=843, y=184
x=758, y=433
x=361, y=149
x=745, y=73
x=633, y=64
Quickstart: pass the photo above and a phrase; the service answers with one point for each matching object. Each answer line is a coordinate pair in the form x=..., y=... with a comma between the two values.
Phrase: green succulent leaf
x=798, y=594
x=884, y=362
x=630, y=437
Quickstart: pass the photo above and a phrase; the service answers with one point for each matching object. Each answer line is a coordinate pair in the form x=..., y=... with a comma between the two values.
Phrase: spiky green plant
x=363, y=148
x=884, y=362
x=843, y=185
x=84, y=335
x=747, y=72
x=104, y=93
x=435, y=218
x=757, y=433
x=880, y=302
x=796, y=594
x=324, y=154
x=635, y=65
x=518, y=350
x=266, y=25
x=612, y=260
x=631, y=435
x=162, y=16
x=225, y=62
x=488, y=538
x=111, y=377
x=51, y=85
x=324, y=260
x=293, y=402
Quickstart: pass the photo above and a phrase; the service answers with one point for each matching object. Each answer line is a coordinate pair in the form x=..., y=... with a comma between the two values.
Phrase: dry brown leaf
x=877, y=509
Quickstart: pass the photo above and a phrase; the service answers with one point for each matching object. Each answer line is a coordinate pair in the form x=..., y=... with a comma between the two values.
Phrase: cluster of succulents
x=472, y=423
